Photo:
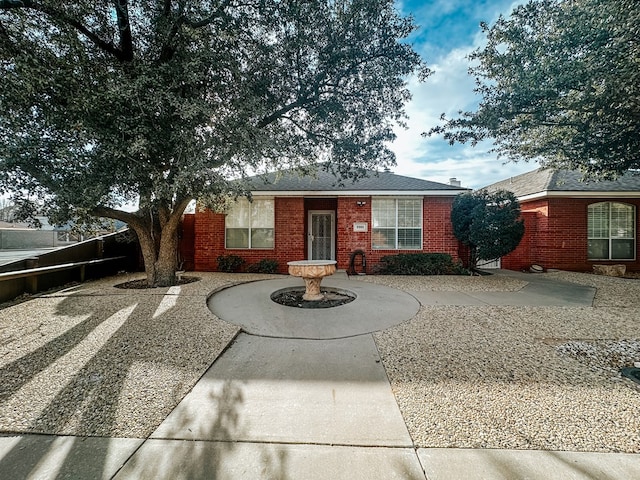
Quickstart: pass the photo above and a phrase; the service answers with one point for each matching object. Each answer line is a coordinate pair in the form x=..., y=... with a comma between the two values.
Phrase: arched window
x=611, y=231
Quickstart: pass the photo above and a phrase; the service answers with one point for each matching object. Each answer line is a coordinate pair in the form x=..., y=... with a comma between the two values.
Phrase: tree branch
x=126, y=54
x=6, y=39
x=124, y=28
x=306, y=130
x=129, y=218
x=282, y=111
x=211, y=18
x=167, y=50
x=178, y=210
x=166, y=10
x=7, y=4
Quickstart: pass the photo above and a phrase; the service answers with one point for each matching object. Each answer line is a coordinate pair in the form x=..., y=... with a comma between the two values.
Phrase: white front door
x=321, y=235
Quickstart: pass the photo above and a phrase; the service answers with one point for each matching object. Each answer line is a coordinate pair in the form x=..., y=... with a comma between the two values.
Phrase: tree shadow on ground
x=172, y=457
x=94, y=381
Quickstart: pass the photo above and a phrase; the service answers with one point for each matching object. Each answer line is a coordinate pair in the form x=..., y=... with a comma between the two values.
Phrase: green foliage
x=230, y=263
x=158, y=103
x=264, y=266
x=487, y=223
x=560, y=84
x=420, y=264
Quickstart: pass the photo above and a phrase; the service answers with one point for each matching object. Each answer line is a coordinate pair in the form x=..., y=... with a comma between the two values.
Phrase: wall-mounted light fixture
x=361, y=203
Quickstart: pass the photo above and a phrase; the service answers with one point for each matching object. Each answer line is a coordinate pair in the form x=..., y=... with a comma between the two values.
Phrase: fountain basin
x=312, y=272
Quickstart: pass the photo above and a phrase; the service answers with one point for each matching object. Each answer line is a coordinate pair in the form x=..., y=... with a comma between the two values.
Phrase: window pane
x=262, y=238
x=598, y=249
x=262, y=214
x=410, y=238
x=383, y=212
x=622, y=249
x=238, y=214
x=611, y=225
x=383, y=238
x=237, y=238
x=598, y=219
x=396, y=223
x=622, y=221
x=409, y=213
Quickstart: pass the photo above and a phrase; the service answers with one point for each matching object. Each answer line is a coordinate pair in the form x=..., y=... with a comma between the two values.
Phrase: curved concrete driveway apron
x=376, y=307
x=291, y=407
x=298, y=408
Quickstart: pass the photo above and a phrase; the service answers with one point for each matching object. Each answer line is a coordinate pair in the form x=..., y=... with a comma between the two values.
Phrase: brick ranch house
x=571, y=224
x=295, y=217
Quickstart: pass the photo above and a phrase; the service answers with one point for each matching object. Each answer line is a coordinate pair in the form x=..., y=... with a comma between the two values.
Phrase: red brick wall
x=209, y=240
x=437, y=232
x=291, y=232
x=187, y=241
x=437, y=227
x=289, y=237
x=348, y=241
x=521, y=257
x=558, y=236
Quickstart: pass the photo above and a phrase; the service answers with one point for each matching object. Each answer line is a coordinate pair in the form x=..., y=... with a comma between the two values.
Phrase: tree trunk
x=473, y=257
x=166, y=263
x=158, y=237
x=160, y=258
x=149, y=255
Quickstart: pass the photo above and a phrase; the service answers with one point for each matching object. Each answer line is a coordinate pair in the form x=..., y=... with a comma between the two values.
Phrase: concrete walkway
x=304, y=395
x=539, y=291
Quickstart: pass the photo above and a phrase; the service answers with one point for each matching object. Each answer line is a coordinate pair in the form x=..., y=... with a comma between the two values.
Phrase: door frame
x=310, y=214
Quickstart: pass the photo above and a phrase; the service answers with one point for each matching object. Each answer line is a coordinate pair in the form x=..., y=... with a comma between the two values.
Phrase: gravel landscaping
x=519, y=377
x=96, y=360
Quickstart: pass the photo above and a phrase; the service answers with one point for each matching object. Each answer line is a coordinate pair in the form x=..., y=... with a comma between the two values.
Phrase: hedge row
x=420, y=264
x=232, y=263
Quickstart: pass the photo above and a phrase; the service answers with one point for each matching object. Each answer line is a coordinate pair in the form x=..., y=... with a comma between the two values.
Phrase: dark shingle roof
x=291, y=181
x=548, y=180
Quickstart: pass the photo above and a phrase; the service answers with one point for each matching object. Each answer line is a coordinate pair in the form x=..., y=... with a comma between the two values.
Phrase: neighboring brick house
x=571, y=224
x=293, y=217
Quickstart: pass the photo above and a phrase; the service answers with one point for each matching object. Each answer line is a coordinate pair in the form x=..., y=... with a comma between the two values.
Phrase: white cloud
x=448, y=90
x=474, y=169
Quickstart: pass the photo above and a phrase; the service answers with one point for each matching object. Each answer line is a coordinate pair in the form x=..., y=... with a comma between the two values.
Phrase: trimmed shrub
x=488, y=223
x=420, y=264
x=264, y=266
x=229, y=263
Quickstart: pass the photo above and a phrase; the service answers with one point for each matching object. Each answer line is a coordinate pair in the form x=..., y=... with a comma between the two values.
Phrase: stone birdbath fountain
x=312, y=272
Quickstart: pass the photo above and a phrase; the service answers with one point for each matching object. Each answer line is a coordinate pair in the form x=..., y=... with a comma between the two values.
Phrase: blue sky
x=448, y=31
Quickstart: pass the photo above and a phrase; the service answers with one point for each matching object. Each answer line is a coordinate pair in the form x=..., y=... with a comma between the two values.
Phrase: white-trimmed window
x=611, y=231
x=397, y=223
x=250, y=224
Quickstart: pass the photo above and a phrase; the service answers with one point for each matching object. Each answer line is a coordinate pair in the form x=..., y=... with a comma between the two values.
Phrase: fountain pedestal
x=312, y=272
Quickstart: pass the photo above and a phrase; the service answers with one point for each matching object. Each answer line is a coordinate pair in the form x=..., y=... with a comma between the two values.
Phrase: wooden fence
x=93, y=258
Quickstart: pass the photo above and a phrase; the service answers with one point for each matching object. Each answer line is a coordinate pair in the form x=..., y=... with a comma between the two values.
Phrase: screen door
x=321, y=235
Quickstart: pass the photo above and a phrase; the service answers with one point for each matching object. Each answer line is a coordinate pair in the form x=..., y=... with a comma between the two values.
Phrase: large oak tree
x=560, y=83
x=159, y=102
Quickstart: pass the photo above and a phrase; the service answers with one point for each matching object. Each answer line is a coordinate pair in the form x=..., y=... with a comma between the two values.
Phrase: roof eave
x=578, y=194
x=357, y=193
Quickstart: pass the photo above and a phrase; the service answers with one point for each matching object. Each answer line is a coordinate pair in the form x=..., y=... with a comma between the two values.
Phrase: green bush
x=420, y=264
x=264, y=266
x=229, y=263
